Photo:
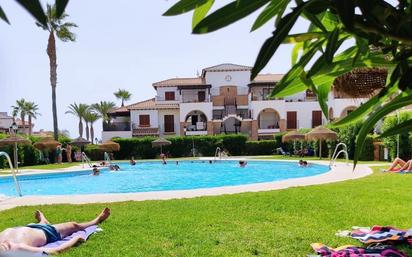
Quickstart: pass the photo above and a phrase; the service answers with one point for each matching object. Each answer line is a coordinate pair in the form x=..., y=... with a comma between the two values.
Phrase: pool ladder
x=107, y=158
x=86, y=159
x=336, y=154
x=219, y=153
x=13, y=171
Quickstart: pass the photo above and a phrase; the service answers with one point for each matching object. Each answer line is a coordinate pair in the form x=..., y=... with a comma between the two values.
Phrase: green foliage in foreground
x=338, y=39
x=279, y=223
x=405, y=138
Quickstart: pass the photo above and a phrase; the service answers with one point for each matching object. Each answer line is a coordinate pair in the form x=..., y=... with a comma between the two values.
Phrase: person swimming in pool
x=96, y=171
x=242, y=163
x=33, y=237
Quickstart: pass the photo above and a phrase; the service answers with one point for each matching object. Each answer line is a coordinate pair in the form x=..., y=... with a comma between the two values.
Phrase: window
x=316, y=118
x=291, y=120
x=170, y=96
x=144, y=120
x=201, y=96
x=169, y=123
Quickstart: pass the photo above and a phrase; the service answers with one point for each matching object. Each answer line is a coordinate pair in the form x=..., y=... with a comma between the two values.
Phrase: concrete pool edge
x=339, y=172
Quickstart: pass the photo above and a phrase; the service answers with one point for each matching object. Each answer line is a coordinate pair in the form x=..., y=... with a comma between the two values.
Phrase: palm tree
x=31, y=110
x=56, y=26
x=20, y=108
x=91, y=117
x=122, y=94
x=103, y=108
x=78, y=110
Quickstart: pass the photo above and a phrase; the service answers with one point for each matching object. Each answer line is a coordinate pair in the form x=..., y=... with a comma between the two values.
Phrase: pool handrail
x=107, y=158
x=13, y=171
x=86, y=159
x=336, y=155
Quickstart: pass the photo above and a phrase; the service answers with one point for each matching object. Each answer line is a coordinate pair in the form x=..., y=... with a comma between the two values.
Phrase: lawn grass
x=312, y=158
x=52, y=166
x=275, y=223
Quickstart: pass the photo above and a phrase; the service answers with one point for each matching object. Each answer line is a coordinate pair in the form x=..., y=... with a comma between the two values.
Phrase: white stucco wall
x=304, y=112
x=160, y=93
x=338, y=105
x=218, y=79
x=161, y=120
x=186, y=108
x=134, y=117
x=258, y=106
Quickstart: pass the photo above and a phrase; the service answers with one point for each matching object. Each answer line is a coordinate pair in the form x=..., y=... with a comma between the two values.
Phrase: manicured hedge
x=27, y=154
x=181, y=146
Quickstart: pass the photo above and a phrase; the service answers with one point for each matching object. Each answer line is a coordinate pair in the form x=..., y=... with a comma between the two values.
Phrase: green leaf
x=398, y=102
x=3, y=16
x=184, y=6
x=403, y=127
x=332, y=45
x=228, y=14
x=272, y=44
x=295, y=52
x=60, y=7
x=295, y=72
x=269, y=12
x=346, y=11
x=301, y=37
x=35, y=9
x=200, y=12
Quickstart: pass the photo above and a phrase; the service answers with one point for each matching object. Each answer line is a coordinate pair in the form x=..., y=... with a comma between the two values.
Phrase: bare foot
x=103, y=215
x=39, y=216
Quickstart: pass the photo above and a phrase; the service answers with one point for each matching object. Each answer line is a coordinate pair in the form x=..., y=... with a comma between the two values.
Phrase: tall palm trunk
x=92, y=132
x=30, y=130
x=51, y=52
x=122, y=102
x=80, y=128
x=87, y=131
x=23, y=123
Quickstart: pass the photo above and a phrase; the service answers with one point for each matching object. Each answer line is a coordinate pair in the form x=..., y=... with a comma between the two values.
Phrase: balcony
x=116, y=126
x=141, y=132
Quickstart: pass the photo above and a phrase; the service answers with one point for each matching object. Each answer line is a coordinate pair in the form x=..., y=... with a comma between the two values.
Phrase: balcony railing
x=116, y=126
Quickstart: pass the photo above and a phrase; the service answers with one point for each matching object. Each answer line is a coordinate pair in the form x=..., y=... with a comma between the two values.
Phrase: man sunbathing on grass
x=33, y=237
x=399, y=165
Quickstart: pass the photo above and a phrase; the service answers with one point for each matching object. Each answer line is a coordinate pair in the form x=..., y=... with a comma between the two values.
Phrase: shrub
x=264, y=147
x=405, y=139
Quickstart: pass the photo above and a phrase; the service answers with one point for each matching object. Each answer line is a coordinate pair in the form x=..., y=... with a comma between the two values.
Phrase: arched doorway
x=231, y=125
x=196, y=121
x=347, y=110
x=331, y=114
x=268, y=119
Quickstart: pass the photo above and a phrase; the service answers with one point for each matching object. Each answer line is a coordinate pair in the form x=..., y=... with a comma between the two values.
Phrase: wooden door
x=316, y=118
x=291, y=120
x=169, y=123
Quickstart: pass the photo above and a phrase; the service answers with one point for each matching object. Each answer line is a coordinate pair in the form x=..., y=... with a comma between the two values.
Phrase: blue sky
x=124, y=44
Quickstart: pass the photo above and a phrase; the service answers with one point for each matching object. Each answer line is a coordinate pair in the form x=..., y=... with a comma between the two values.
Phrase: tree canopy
x=342, y=35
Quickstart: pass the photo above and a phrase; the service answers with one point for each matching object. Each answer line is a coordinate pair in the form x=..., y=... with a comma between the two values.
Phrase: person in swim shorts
x=33, y=237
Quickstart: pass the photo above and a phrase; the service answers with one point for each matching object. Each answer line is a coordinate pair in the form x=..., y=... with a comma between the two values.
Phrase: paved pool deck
x=339, y=172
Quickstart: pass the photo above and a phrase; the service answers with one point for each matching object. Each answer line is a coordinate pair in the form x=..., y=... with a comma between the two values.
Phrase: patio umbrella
x=109, y=146
x=80, y=142
x=46, y=143
x=321, y=133
x=293, y=136
x=160, y=143
x=14, y=140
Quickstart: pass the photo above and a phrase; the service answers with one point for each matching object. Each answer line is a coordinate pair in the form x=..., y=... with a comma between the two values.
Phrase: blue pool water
x=153, y=176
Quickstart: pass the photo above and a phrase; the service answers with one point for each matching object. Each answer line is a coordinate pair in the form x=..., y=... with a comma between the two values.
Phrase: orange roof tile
x=267, y=78
x=151, y=104
x=179, y=82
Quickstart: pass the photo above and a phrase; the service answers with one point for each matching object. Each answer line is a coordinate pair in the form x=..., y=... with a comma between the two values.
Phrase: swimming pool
x=154, y=176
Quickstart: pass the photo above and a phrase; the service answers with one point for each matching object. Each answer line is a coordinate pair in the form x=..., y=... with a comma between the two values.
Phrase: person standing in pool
x=33, y=237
